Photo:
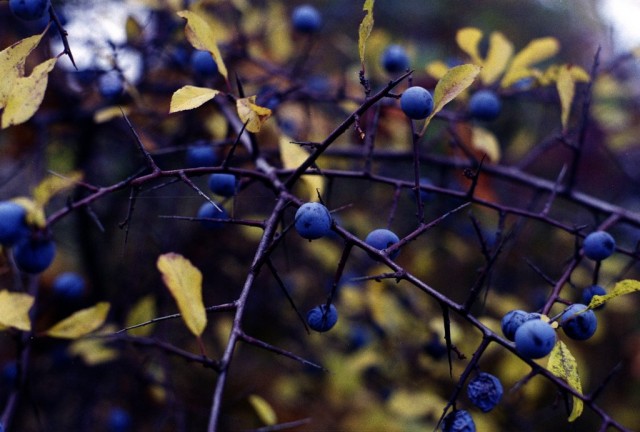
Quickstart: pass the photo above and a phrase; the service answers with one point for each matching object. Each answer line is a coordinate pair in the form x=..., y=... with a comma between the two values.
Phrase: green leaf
x=80, y=323
x=190, y=97
x=626, y=286
x=365, y=28
x=14, y=310
x=263, y=409
x=202, y=37
x=563, y=365
x=184, y=281
x=566, y=90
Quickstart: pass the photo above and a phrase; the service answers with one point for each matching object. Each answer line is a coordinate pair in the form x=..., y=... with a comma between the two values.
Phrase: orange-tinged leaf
x=143, y=311
x=486, y=142
x=468, y=39
x=54, y=184
x=252, y=114
x=566, y=90
x=292, y=156
x=202, y=37
x=563, y=365
x=12, y=64
x=263, y=409
x=365, y=28
x=190, y=97
x=500, y=52
x=80, y=323
x=14, y=310
x=184, y=281
x=26, y=95
x=626, y=286
x=536, y=51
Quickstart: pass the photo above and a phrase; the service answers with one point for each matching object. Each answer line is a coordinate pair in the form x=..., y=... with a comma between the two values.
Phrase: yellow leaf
x=485, y=141
x=536, y=51
x=190, y=97
x=626, y=286
x=500, y=52
x=365, y=28
x=278, y=35
x=80, y=323
x=12, y=64
x=103, y=115
x=35, y=212
x=141, y=312
x=563, y=365
x=26, y=95
x=252, y=114
x=437, y=69
x=54, y=184
x=263, y=409
x=202, y=37
x=14, y=310
x=185, y=283
x=292, y=156
x=454, y=82
x=566, y=90
x=468, y=39
x=93, y=351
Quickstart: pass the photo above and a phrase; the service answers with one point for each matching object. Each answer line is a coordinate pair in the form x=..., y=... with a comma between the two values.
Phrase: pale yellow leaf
x=263, y=409
x=202, y=37
x=292, y=156
x=500, y=52
x=485, y=141
x=184, y=281
x=54, y=184
x=536, y=51
x=14, y=310
x=365, y=28
x=12, y=64
x=35, y=212
x=563, y=365
x=278, y=35
x=579, y=74
x=26, y=95
x=93, y=351
x=626, y=286
x=104, y=115
x=143, y=311
x=190, y=97
x=252, y=114
x=566, y=90
x=437, y=69
x=468, y=39
x=80, y=323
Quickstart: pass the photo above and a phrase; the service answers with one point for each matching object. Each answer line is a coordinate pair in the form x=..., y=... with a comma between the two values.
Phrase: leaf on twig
x=563, y=365
x=202, y=37
x=254, y=115
x=292, y=156
x=14, y=310
x=536, y=51
x=190, y=97
x=80, y=323
x=365, y=28
x=626, y=286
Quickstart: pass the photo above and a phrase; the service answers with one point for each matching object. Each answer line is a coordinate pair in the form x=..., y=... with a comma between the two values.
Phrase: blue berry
x=223, y=184
x=599, y=245
x=29, y=10
x=382, y=239
x=119, y=420
x=320, y=319
x=395, y=59
x=69, y=285
x=577, y=324
x=201, y=155
x=313, y=220
x=110, y=85
x=306, y=19
x=485, y=391
x=535, y=339
x=514, y=319
x=202, y=63
x=425, y=196
x=13, y=226
x=589, y=292
x=416, y=102
x=34, y=255
x=485, y=105
x=458, y=421
x=209, y=211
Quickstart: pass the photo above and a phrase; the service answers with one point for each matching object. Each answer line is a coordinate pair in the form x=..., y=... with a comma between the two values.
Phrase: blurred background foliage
x=388, y=368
